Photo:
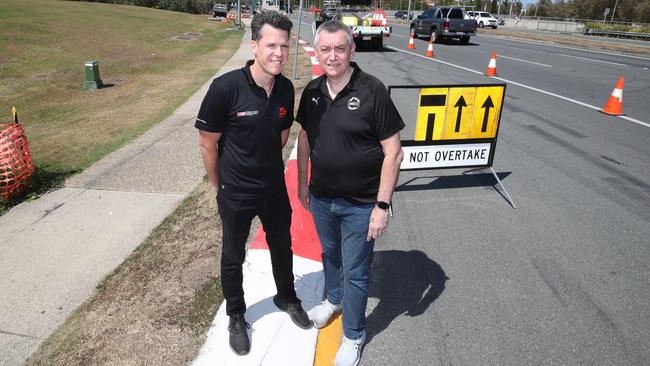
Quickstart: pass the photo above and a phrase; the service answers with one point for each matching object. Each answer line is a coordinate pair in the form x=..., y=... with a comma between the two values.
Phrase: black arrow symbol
x=459, y=104
x=487, y=105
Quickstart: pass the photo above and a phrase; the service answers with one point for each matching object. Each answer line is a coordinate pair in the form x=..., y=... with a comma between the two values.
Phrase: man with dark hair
x=243, y=125
x=350, y=132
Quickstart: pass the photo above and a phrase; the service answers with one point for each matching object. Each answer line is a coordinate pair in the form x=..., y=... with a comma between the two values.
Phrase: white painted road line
x=518, y=59
x=590, y=59
x=523, y=86
x=273, y=335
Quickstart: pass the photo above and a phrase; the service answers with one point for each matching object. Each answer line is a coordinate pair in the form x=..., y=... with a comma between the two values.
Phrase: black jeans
x=237, y=212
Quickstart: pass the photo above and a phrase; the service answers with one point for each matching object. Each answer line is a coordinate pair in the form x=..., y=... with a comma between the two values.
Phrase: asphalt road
x=461, y=277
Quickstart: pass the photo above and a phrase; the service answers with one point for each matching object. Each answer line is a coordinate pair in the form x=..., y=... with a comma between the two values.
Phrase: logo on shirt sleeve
x=283, y=112
x=354, y=103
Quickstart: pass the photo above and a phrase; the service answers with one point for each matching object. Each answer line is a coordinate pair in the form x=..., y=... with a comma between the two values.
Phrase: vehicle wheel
x=434, y=36
x=378, y=43
x=480, y=24
x=494, y=27
x=464, y=40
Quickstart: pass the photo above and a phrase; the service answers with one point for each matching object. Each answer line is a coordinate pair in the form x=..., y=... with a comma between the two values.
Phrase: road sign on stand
x=456, y=126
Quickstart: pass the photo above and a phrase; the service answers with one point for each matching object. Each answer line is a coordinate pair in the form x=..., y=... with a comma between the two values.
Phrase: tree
x=627, y=10
x=592, y=9
x=544, y=6
x=516, y=8
x=493, y=7
x=643, y=12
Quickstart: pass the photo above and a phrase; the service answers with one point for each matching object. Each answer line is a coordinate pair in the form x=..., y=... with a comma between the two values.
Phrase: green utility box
x=92, y=76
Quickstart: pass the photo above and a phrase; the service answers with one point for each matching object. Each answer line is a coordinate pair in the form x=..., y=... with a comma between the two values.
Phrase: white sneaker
x=349, y=353
x=322, y=313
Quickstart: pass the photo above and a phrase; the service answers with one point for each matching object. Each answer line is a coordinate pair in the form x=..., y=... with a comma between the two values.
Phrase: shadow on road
x=369, y=48
x=404, y=283
x=448, y=41
x=466, y=180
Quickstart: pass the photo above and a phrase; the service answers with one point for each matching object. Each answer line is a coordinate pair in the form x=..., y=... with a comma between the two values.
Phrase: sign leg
x=502, y=187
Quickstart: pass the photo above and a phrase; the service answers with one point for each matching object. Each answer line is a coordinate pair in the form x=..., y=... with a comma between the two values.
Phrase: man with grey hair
x=243, y=125
x=350, y=133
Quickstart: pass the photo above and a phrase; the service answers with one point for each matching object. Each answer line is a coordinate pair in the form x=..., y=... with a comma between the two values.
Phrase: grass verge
x=147, y=73
x=571, y=40
x=157, y=306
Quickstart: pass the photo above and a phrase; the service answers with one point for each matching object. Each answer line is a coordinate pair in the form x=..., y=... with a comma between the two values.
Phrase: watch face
x=383, y=205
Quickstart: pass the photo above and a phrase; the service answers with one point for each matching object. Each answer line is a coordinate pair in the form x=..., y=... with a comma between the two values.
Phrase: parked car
x=219, y=10
x=483, y=19
x=445, y=22
x=402, y=15
x=329, y=13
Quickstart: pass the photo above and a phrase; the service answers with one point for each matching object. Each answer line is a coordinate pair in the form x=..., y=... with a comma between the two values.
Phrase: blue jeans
x=342, y=228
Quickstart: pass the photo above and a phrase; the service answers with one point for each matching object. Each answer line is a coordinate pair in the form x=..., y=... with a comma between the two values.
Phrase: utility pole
x=295, y=60
x=239, y=14
x=408, y=12
x=615, y=4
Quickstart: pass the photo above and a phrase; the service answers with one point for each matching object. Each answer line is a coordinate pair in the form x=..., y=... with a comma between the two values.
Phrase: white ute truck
x=369, y=28
x=483, y=19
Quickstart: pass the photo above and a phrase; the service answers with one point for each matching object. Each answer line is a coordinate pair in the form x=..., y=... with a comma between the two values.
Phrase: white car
x=483, y=19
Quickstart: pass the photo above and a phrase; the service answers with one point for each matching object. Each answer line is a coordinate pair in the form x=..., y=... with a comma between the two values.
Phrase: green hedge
x=618, y=27
x=185, y=6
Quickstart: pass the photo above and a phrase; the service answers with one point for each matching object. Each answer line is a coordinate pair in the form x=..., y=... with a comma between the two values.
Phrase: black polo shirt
x=250, y=148
x=345, y=133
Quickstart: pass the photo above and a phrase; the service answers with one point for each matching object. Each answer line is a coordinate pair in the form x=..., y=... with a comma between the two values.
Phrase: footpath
x=57, y=248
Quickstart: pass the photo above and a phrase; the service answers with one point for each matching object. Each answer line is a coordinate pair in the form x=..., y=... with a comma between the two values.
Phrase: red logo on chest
x=283, y=112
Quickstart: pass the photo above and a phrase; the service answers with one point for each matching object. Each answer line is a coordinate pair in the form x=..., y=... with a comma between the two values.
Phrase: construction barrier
x=16, y=165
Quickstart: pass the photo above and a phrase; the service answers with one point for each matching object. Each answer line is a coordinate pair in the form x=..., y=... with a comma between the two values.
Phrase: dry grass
x=156, y=308
x=569, y=40
x=44, y=46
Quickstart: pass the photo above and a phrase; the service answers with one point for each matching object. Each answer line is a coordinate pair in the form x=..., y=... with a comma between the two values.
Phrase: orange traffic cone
x=614, y=105
x=430, y=50
x=411, y=45
x=492, y=66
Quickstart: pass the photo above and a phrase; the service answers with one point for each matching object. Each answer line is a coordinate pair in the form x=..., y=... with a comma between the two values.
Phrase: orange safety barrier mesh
x=16, y=166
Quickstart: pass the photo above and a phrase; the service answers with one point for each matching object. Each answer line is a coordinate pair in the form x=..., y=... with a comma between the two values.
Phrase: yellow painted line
x=329, y=340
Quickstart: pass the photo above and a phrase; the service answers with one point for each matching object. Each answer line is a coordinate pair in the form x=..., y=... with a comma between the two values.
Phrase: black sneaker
x=239, y=342
x=295, y=311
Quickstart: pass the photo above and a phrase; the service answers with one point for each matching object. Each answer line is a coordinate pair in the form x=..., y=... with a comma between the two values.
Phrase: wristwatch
x=383, y=205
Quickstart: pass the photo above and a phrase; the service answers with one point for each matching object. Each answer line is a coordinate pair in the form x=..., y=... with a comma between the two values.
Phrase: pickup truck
x=219, y=10
x=445, y=22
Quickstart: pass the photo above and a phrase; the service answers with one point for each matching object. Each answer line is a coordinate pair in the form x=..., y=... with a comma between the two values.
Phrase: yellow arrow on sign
x=460, y=113
x=488, y=112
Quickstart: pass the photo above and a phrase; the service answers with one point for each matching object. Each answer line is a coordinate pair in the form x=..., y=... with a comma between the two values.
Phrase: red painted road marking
x=304, y=241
